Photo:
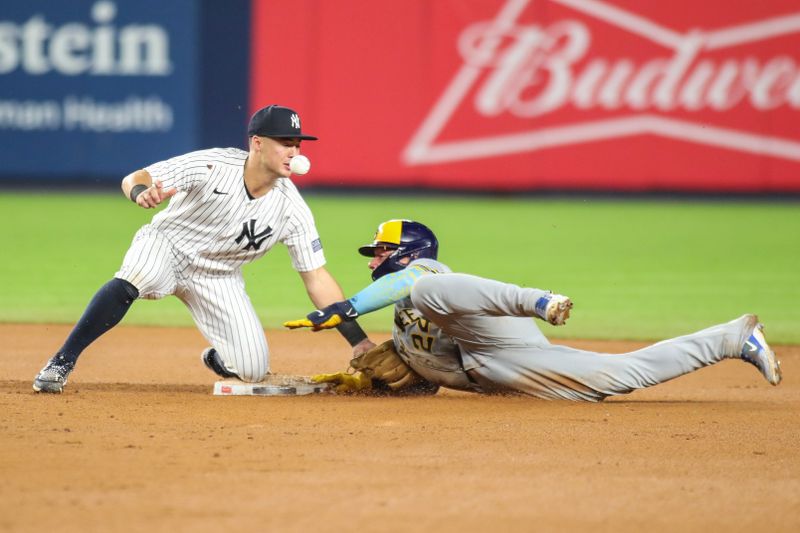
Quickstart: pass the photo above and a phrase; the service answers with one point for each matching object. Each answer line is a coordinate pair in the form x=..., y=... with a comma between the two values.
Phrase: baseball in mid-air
x=299, y=165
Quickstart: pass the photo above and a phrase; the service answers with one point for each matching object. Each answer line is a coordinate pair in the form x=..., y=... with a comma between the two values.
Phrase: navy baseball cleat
x=553, y=308
x=213, y=362
x=53, y=376
x=757, y=352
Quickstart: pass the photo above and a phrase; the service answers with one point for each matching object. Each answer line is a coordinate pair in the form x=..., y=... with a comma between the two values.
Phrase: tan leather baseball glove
x=379, y=370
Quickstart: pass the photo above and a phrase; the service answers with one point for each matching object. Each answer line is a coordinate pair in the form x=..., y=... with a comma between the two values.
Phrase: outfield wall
x=91, y=90
x=544, y=94
x=496, y=95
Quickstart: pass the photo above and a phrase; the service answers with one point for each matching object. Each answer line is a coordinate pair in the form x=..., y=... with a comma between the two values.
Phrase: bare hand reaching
x=154, y=195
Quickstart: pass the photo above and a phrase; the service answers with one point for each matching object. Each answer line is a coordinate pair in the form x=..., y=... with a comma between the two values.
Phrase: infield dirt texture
x=137, y=442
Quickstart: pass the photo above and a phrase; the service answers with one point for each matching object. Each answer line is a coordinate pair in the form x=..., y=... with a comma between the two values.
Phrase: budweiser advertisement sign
x=539, y=95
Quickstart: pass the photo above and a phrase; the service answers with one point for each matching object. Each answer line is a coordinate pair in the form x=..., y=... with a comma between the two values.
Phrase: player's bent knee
x=256, y=370
x=252, y=377
x=250, y=366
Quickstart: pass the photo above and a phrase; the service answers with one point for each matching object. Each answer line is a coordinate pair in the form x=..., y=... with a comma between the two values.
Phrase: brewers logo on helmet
x=407, y=238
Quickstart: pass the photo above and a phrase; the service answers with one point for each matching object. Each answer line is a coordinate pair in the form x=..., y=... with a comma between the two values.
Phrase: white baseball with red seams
x=299, y=165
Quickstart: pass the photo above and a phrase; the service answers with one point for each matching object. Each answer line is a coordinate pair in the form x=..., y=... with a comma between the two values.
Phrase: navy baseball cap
x=278, y=122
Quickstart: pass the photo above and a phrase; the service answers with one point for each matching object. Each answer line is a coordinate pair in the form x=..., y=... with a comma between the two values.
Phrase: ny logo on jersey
x=295, y=121
x=254, y=239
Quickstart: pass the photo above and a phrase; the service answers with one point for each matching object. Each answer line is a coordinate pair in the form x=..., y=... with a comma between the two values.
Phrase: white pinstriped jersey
x=217, y=227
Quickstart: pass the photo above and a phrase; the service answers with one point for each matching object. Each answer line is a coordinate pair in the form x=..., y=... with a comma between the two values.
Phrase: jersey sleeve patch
x=316, y=245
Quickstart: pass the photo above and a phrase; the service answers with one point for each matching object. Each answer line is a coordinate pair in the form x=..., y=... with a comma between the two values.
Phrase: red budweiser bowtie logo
x=716, y=87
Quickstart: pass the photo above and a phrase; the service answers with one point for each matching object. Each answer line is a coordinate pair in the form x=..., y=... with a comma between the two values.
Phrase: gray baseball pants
x=503, y=349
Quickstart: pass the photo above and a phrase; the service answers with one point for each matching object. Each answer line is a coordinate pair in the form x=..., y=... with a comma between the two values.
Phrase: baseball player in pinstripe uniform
x=228, y=207
x=475, y=334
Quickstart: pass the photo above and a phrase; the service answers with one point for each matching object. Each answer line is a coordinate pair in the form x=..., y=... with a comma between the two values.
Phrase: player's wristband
x=136, y=190
x=352, y=332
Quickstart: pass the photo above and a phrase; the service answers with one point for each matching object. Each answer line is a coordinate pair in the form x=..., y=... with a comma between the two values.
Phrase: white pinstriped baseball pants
x=218, y=303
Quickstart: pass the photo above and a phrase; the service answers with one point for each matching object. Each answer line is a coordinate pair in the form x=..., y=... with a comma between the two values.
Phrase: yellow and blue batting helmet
x=408, y=239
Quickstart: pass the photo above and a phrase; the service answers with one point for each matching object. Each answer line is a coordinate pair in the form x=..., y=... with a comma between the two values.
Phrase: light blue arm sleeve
x=388, y=289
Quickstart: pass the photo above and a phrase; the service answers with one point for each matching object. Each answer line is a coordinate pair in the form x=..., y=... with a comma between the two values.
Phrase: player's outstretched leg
x=104, y=311
x=562, y=372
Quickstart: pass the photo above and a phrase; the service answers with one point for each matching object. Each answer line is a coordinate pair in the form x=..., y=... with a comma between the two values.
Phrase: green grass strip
x=635, y=269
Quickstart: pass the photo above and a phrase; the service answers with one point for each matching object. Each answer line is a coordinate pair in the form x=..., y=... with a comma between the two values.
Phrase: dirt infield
x=138, y=442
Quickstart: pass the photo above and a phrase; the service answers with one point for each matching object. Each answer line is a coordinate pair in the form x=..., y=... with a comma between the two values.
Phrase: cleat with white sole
x=757, y=352
x=53, y=377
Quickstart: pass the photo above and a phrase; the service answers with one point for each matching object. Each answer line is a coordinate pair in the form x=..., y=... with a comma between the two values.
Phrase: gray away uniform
x=457, y=322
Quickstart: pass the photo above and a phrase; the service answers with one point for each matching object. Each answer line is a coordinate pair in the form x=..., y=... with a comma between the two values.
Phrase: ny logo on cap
x=295, y=121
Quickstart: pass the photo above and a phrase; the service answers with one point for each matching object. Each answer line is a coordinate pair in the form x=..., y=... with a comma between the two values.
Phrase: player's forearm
x=325, y=291
x=140, y=177
x=387, y=290
x=321, y=287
